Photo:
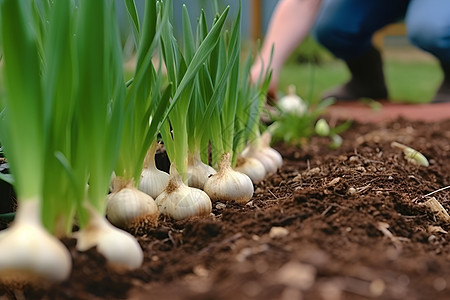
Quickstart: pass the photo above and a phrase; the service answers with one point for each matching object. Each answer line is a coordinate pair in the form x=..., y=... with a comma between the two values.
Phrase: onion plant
x=27, y=250
x=100, y=97
x=198, y=169
x=178, y=200
x=65, y=100
x=258, y=140
x=147, y=105
x=252, y=97
x=227, y=184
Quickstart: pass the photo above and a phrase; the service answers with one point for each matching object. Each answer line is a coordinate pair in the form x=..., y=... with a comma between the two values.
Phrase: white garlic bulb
x=228, y=184
x=265, y=148
x=292, y=103
x=130, y=209
x=274, y=155
x=262, y=151
x=198, y=171
x=28, y=252
x=153, y=181
x=120, y=248
x=251, y=167
x=269, y=164
x=180, y=201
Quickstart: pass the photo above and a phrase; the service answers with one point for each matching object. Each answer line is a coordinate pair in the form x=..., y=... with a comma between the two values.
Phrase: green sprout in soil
x=297, y=128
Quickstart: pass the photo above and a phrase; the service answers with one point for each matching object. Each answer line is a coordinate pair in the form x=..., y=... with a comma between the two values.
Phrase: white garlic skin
x=180, y=201
x=228, y=184
x=153, y=181
x=271, y=158
x=184, y=202
x=270, y=165
x=120, y=248
x=251, y=167
x=274, y=155
x=29, y=253
x=292, y=103
x=130, y=207
x=198, y=172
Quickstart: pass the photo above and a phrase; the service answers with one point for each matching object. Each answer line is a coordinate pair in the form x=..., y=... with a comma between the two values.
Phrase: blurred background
x=412, y=75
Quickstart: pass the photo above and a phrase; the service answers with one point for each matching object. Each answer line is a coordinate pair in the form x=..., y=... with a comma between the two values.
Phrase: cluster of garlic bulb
x=129, y=208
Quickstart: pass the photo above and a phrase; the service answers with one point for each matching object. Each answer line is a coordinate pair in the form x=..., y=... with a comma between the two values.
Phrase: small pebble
x=277, y=232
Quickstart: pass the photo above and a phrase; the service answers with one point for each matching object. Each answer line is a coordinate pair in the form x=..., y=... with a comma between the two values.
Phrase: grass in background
x=313, y=70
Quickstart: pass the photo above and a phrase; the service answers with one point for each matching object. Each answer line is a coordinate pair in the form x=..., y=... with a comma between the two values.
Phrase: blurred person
x=346, y=27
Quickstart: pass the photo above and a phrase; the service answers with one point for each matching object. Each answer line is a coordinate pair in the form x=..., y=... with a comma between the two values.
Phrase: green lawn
x=408, y=81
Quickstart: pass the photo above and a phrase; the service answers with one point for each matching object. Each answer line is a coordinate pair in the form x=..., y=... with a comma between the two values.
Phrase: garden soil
x=348, y=223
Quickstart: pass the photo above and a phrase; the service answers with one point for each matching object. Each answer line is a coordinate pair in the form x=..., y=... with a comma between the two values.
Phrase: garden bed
x=331, y=224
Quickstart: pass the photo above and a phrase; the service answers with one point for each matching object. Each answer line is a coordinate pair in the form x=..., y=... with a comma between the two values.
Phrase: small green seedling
x=322, y=128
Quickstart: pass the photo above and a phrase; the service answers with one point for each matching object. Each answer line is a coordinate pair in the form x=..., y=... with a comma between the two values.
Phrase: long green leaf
x=22, y=129
x=134, y=20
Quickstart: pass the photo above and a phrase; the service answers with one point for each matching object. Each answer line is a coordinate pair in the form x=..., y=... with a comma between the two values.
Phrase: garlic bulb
x=198, y=171
x=292, y=103
x=251, y=167
x=269, y=164
x=153, y=181
x=228, y=184
x=266, y=138
x=28, y=252
x=120, y=248
x=130, y=209
x=180, y=201
x=274, y=155
x=261, y=150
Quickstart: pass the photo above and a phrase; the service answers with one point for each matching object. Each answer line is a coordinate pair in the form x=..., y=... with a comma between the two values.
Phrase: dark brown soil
x=353, y=226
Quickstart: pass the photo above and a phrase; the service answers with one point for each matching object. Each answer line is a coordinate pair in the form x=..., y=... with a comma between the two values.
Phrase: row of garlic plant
x=202, y=131
x=71, y=120
x=27, y=247
x=66, y=106
x=61, y=129
x=227, y=184
x=127, y=206
x=130, y=209
x=178, y=200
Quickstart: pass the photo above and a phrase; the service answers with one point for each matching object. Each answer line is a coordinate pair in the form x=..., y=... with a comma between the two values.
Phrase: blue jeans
x=345, y=27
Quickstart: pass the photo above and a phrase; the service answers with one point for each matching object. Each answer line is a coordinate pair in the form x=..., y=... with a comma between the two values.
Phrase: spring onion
x=146, y=110
x=28, y=252
x=256, y=145
x=251, y=99
x=178, y=200
x=99, y=116
x=228, y=184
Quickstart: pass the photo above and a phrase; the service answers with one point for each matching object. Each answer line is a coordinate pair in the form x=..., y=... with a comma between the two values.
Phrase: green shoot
x=182, y=72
